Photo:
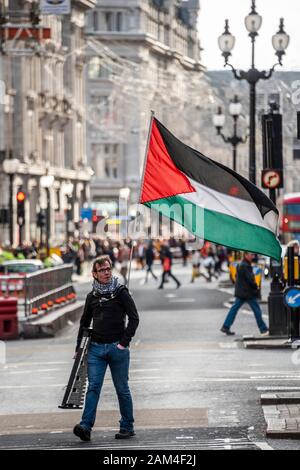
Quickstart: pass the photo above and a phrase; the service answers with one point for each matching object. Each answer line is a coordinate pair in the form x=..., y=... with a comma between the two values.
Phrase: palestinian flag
x=210, y=200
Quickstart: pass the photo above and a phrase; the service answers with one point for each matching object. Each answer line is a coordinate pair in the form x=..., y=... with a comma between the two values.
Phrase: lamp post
x=280, y=43
x=235, y=110
x=46, y=182
x=10, y=166
x=124, y=194
x=68, y=190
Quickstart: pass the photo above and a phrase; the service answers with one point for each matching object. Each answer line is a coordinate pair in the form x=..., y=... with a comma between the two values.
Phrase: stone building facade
x=44, y=128
x=143, y=55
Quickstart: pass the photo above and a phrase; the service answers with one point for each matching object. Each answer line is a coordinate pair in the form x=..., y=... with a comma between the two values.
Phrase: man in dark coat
x=246, y=290
x=108, y=305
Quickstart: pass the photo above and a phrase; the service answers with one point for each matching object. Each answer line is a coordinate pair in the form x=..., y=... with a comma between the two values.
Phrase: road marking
x=226, y=290
x=263, y=445
x=7, y=387
x=262, y=377
x=16, y=372
x=25, y=364
x=272, y=389
x=228, y=345
x=170, y=296
x=181, y=300
x=159, y=380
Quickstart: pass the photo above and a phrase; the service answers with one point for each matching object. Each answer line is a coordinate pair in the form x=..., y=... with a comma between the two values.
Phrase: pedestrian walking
x=167, y=265
x=123, y=258
x=195, y=265
x=107, y=305
x=150, y=256
x=209, y=265
x=79, y=260
x=246, y=290
x=184, y=252
x=141, y=255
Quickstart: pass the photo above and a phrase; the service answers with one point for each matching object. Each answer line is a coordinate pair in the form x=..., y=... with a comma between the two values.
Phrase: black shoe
x=124, y=434
x=227, y=331
x=178, y=285
x=81, y=432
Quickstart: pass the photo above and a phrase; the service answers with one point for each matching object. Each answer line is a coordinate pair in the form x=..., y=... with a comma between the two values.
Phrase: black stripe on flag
x=212, y=174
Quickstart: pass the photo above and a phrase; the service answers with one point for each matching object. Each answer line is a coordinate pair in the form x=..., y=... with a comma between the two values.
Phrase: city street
x=193, y=387
x=162, y=134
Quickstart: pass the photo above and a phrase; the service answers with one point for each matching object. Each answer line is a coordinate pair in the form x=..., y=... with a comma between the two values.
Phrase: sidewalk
x=282, y=415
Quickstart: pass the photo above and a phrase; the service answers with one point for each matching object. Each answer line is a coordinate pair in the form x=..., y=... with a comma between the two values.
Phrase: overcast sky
x=211, y=25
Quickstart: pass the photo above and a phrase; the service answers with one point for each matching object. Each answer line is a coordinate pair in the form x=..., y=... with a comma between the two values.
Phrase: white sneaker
x=266, y=333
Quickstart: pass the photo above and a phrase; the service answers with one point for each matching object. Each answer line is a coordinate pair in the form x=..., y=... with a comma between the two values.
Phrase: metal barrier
x=42, y=290
x=12, y=286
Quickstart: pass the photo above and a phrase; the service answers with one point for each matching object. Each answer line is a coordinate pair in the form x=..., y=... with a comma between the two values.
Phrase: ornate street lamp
x=235, y=110
x=280, y=43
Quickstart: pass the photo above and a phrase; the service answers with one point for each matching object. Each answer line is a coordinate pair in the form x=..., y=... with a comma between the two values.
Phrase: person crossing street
x=246, y=290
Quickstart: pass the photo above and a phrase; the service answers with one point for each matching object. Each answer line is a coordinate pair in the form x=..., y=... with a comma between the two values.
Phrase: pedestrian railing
x=41, y=291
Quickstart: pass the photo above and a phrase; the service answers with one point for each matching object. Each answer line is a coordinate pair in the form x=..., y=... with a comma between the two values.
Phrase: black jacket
x=109, y=317
x=149, y=256
x=245, y=285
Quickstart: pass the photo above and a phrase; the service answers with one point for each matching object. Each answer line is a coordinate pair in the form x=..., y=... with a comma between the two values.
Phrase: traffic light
x=21, y=197
x=96, y=219
x=41, y=219
x=272, y=141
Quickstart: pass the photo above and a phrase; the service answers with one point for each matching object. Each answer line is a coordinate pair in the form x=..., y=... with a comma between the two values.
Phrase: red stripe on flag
x=162, y=178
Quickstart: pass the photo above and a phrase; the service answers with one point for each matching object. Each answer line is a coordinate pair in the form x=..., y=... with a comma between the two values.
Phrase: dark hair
x=101, y=260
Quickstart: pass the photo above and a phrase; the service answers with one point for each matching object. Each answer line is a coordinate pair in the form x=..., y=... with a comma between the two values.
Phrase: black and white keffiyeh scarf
x=106, y=289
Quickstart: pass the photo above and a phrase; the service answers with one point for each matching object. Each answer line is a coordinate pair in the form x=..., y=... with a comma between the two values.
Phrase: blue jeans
x=256, y=310
x=99, y=357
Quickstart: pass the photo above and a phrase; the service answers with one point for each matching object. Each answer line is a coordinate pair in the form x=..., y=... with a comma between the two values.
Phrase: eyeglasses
x=103, y=270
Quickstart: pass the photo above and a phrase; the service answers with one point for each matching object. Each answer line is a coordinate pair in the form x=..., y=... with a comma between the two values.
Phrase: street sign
x=55, y=7
x=86, y=213
x=292, y=297
x=271, y=179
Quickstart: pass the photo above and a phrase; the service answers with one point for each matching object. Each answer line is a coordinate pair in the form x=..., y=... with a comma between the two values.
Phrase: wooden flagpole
x=140, y=192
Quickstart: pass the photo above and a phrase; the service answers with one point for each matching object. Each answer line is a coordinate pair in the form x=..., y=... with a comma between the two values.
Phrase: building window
x=94, y=68
x=95, y=21
x=119, y=21
x=98, y=71
x=296, y=154
x=191, y=48
x=131, y=20
x=109, y=21
x=114, y=168
x=107, y=167
x=105, y=160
